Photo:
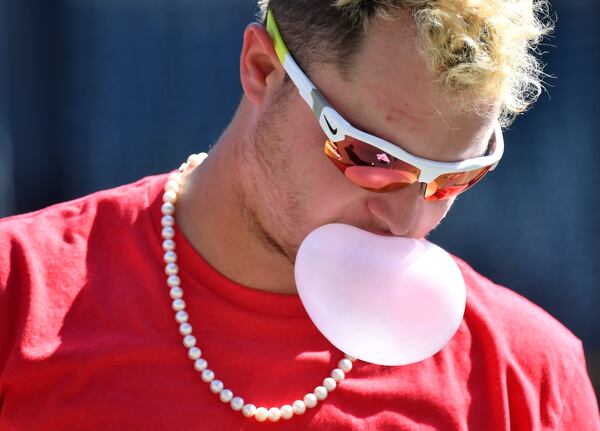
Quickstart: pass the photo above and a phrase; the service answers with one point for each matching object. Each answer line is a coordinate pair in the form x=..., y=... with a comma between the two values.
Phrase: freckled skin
x=267, y=183
x=395, y=115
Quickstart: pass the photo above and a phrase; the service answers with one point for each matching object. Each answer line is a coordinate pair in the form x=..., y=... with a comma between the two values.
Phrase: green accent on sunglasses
x=273, y=30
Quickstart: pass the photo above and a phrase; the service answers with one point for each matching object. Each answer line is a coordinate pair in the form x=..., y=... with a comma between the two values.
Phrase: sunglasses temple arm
x=318, y=102
x=308, y=91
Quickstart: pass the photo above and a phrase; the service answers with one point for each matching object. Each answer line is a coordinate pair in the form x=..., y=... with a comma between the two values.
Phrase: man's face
x=388, y=93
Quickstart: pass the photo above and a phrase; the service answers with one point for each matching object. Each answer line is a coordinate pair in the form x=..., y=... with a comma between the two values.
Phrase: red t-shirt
x=88, y=341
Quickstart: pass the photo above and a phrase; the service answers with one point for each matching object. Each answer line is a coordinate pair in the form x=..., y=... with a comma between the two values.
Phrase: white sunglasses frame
x=337, y=128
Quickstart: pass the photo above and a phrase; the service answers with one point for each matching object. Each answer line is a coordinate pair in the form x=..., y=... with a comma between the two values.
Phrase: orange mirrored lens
x=449, y=185
x=352, y=152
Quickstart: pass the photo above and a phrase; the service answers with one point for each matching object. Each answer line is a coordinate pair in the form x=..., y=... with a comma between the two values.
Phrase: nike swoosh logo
x=331, y=129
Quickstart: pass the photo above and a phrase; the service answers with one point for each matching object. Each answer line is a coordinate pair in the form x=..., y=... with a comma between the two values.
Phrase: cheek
x=301, y=189
x=313, y=175
x=324, y=194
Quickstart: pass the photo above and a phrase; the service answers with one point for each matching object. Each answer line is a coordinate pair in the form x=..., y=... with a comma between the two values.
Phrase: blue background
x=97, y=93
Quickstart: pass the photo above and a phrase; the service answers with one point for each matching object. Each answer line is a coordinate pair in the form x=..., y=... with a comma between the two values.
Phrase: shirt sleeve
x=580, y=407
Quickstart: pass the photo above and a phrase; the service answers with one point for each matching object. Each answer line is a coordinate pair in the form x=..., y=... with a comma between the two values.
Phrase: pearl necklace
x=261, y=414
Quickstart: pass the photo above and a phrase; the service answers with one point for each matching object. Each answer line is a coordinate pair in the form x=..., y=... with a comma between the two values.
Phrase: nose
x=399, y=211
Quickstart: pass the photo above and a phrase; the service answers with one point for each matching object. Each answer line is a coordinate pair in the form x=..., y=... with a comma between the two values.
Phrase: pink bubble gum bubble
x=385, y=300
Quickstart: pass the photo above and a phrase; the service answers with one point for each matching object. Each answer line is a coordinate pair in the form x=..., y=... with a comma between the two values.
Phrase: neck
x=213, y=215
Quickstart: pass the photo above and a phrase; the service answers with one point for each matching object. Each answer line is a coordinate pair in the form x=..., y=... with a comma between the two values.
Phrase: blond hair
x=481, y=50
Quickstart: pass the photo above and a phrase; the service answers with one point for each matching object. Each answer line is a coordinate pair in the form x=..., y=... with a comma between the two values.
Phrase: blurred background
x=98, y=93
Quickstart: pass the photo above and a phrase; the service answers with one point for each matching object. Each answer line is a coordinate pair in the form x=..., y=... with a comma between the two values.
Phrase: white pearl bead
x=226, y=395
x=338, y=375
x=176, y=177
x=185, y=329
x=176, y=292
x=189, y=341
x=345, y=365
x=168, y=208
x=216, y=386
x=167, y=220
x=350, y=358
x=169, y=197
x=248, y=410
x=168, y=232
x=287, y=411
x=261, y=414
x=299, y=407
x=168, y=245
x=170, y=257
x=207, y=376
x=172, y=185
x=237, y=403
x=171, y=269
x=320, y=392
x=173, y=280
x=194, y=353
x=178, y=304
x=274, y=414
x=195, y=159
x=200, y=364
x=310, y=400
x=330, y=384
x=181, y=316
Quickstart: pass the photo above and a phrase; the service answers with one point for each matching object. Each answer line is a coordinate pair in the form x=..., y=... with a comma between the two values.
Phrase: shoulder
x=118, y=198
x=528, y=347
x=60, y=232
x=535, y=362
x=48, y=258
x=516, y=320
x=124, y=200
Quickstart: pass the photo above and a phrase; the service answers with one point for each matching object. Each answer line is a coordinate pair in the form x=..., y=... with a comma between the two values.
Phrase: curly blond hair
x=483, y=51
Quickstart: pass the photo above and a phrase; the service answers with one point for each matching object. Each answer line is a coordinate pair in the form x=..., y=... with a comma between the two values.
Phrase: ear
x=260, y=70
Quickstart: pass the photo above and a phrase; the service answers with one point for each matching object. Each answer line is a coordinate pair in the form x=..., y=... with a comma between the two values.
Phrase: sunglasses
x=348, y=147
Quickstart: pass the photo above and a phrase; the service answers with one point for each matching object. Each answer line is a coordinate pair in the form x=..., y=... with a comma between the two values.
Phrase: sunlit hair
x=482, y=51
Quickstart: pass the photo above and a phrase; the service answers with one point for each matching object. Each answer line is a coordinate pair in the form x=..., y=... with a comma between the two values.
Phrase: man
x=89, y=288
